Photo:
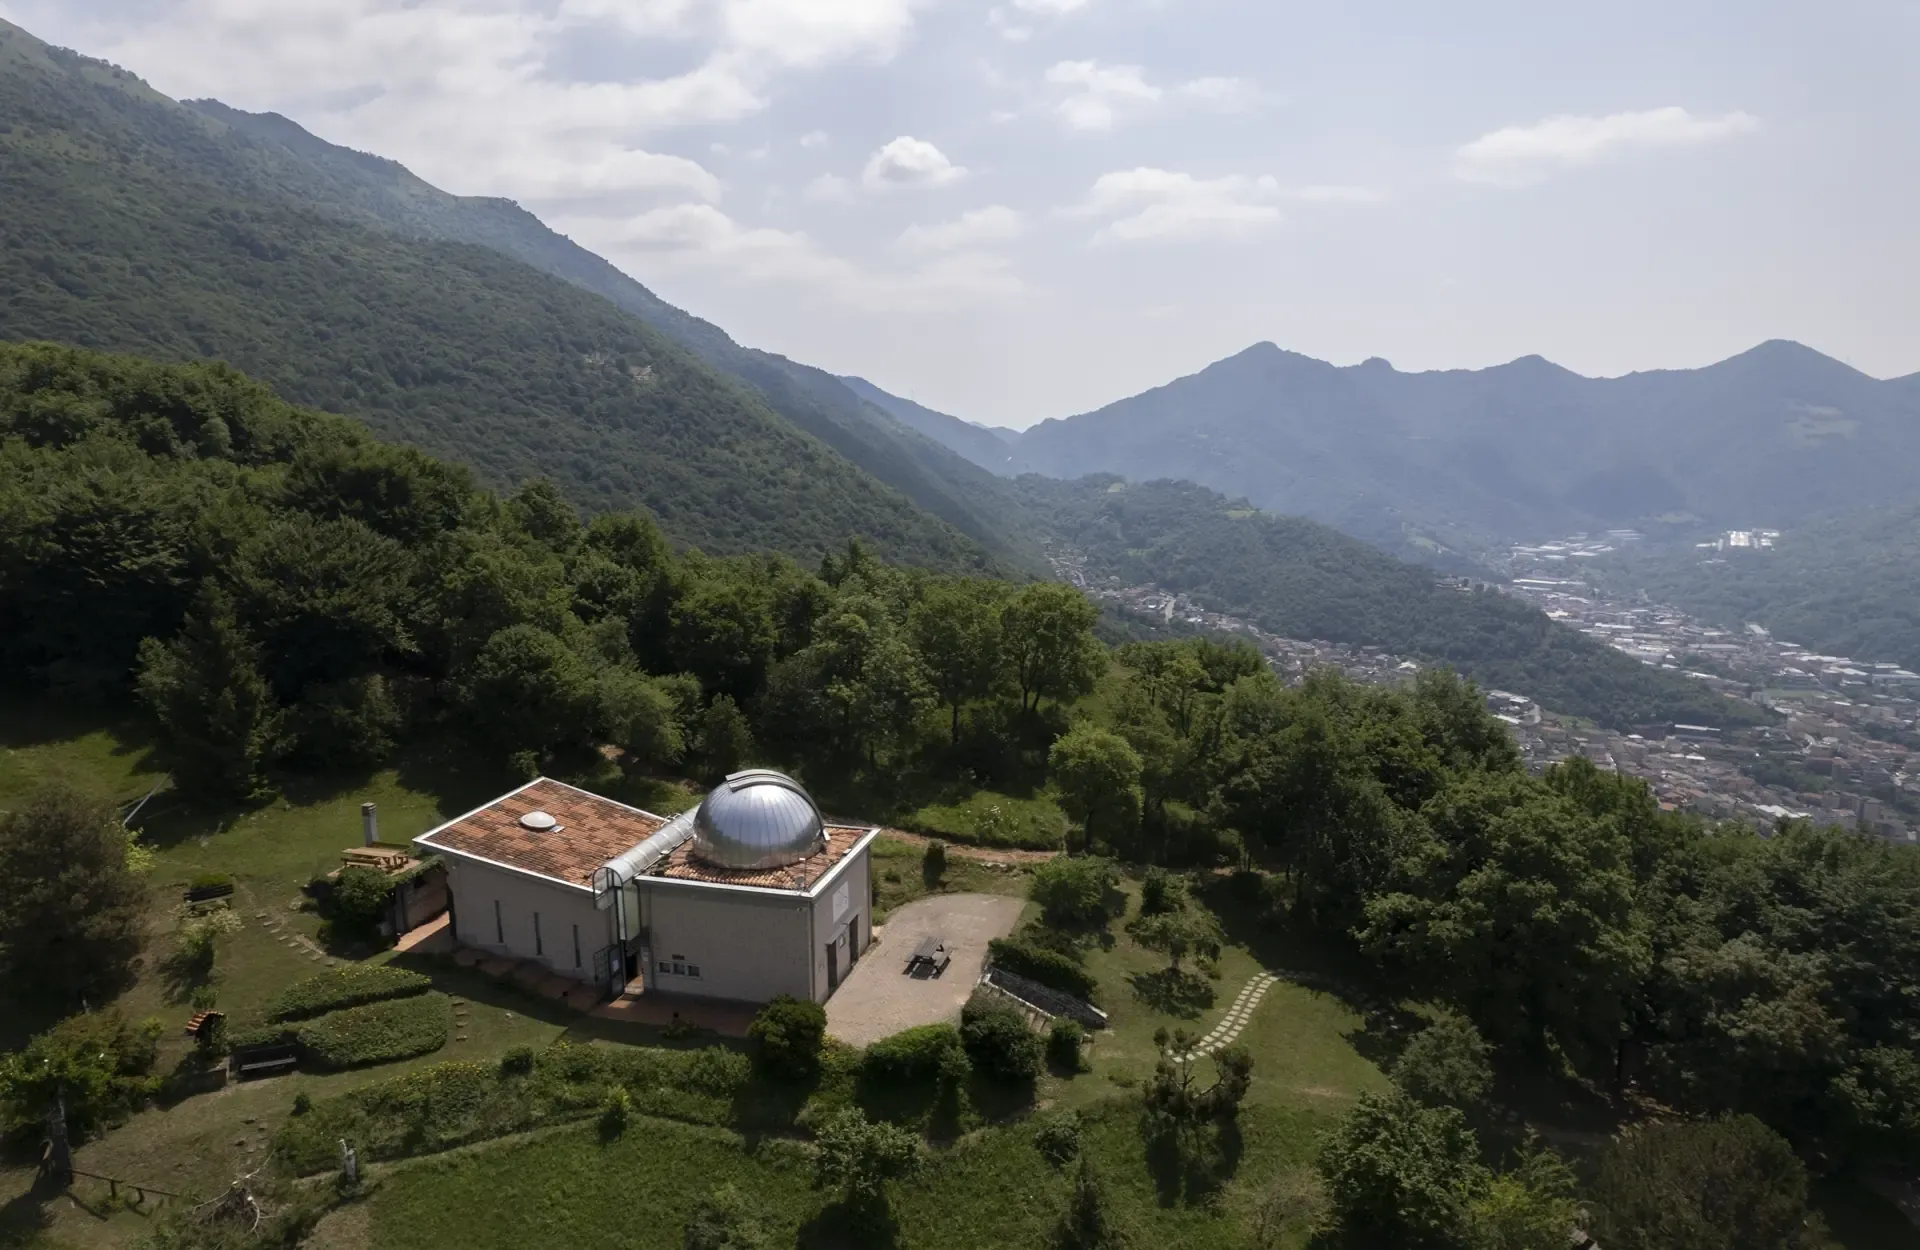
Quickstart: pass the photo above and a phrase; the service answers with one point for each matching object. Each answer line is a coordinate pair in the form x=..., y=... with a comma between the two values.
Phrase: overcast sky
x=1015, y=209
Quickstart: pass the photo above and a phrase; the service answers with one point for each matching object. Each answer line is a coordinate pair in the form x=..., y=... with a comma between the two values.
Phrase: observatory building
x=749, y=895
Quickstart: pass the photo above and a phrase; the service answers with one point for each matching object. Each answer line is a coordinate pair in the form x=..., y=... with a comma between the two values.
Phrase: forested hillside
x=361, y=187
x=1848, y=586
x=1303, y=580
x=133, y=223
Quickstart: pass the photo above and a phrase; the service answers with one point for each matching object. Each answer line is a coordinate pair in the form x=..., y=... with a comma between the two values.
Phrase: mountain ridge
x=1516, y=450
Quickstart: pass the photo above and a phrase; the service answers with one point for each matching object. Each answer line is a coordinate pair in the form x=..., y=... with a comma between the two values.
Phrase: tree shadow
x=1173, y=992
x=24, y=1219
x=1193, y=1167
x=844, y=1224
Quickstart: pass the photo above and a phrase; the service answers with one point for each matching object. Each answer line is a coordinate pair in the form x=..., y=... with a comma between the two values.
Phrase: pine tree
x=1087, y=1224
x=207, y=690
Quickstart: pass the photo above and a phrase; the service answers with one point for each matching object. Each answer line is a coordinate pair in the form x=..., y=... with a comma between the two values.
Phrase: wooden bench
x=265, y=1060
x=199, y=1020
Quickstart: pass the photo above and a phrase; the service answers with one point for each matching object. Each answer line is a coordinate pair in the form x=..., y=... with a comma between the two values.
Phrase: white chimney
x=369, y=824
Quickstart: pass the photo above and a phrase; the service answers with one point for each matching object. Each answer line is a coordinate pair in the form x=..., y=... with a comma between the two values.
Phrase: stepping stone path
x=1224, y=1033
x=459, y=1019
x=293, y=941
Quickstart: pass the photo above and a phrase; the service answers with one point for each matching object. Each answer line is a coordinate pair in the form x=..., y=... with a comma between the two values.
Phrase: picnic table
x=374, y=857
x=932, y=955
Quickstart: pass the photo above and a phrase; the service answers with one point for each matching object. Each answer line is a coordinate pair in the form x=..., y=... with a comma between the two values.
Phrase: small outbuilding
x=749, y=895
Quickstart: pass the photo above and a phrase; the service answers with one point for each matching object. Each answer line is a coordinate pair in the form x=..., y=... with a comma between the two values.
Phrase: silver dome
x=757, y=819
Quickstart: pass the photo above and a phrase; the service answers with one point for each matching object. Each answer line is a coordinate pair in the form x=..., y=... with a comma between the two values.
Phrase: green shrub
x=1161, y=891
x=302, y=1103
x=358, y=901
x=933, y=865
x=719, y=1070
x=376, y=1033
x=1039, y=963
x=518, y=1061
x=1064, y=1042
x=1446, y=1063
x=210, y=880
x=922, y=1054
x=1058, y=1140
x=211, y=1037
x=616, y=1112
x=787, y=1036
x=998, y=1040
x=351, y=985
x=1075, y=892
x=270, y=1034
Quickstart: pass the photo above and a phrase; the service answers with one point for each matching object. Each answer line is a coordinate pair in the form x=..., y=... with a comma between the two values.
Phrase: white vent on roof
x=539, y=822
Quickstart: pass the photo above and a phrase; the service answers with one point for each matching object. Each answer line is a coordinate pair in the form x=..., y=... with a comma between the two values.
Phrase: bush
x=210, y=881
x=1049, y=967
x=1161, y=891
x=518, y=1061
x=351, y=985
x=1064, y=1041
x=302, y=1103
x=787, y=1036
x=1715, y=1185
x=1445, y=1064
x=1058, y=1140
x=914, y=1055
x=211, y=1038
x=376, y=1033
x=260, y=1035
x=1075, y=892
x=616, y=1112
x=358, y=902
x=999, y=1041
x=934, y=864
x=727, y=1220
x=719, y=1070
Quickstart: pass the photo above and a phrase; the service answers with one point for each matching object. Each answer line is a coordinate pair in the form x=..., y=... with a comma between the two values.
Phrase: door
x=833, y=966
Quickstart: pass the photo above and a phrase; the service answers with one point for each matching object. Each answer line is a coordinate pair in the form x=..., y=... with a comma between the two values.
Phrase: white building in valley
x=749, y=895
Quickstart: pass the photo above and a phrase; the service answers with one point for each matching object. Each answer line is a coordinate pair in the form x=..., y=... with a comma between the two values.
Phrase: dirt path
x=961, y=850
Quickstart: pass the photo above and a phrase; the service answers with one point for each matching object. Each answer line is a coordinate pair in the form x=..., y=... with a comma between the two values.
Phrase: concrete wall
x=476, y=887
x=853, y=878
x=747, y=946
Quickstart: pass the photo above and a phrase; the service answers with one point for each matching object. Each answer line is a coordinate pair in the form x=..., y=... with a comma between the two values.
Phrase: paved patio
x=878, y=999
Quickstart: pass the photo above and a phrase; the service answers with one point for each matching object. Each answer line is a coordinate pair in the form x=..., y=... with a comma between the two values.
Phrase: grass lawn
x=899, y=878
x=990, y=819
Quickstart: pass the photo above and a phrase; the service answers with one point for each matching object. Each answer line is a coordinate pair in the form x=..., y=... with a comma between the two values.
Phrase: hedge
x=352, y=985
x=1038, y=963
x=912, y=1055
x=376, y=1033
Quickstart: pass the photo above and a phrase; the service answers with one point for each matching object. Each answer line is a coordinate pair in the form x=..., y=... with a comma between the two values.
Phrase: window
x=499, y=925
x=665, y=966
x=693, y=970
x=576, y=946
x=538, y=949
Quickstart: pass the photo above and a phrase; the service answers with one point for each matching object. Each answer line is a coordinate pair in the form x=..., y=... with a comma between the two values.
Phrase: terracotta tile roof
x=591, y=830
x=683, y=865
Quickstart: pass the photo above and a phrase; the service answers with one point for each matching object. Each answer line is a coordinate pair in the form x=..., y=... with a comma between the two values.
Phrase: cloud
x=480, y=96
x=1096, y=92
x=1015, y=21
x=829, y=189
x=994, y=224
x=907, y=162
x=814, y=139
x=1144, y=203
x=1096, y=95
x=1231, y=94
x=689, y=237
x=1521, y=155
